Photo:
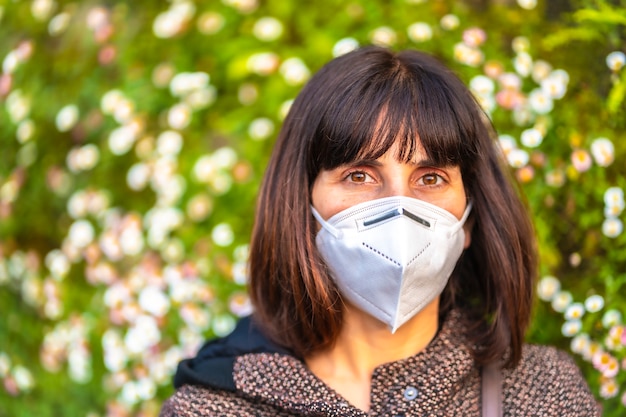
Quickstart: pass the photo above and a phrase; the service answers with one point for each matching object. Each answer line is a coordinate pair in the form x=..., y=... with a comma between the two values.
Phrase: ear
x=467, y=228
x=468, y=235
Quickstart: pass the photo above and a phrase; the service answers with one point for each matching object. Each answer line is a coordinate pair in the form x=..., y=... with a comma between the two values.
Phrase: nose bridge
x=397, y=181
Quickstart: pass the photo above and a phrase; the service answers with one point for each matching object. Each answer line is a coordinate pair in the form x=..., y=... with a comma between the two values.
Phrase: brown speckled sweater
x=442, y=380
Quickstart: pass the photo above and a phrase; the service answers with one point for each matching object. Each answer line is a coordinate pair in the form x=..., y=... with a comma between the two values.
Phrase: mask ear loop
x=332, y=230
x=463, y=219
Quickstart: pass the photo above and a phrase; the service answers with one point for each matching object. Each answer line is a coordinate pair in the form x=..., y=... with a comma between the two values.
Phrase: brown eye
x=430, y=179
x=357, y=177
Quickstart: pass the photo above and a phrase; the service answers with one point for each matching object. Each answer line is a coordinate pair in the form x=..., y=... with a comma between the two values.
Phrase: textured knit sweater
x=442, y=380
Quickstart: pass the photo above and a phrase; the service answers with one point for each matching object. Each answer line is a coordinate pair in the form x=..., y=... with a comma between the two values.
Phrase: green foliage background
x=62, y=175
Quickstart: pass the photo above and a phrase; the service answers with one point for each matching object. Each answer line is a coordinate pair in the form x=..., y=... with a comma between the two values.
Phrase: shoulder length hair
x=357, y=106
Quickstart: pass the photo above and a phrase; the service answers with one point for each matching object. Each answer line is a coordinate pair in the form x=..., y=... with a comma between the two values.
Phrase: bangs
x=396, y=101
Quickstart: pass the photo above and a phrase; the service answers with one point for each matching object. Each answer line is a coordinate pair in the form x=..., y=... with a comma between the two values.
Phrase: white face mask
x=392, y=256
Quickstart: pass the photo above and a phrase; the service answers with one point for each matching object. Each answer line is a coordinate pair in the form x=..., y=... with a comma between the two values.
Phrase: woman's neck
x=366, y=343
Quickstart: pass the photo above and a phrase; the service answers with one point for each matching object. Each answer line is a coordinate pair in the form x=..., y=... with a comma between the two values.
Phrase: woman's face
x=340, y=188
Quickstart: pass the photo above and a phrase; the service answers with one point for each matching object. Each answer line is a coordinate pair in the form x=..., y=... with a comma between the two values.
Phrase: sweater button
x=410, y=393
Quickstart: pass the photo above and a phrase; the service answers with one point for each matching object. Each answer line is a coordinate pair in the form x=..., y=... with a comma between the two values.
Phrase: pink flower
x=581, y=160
x=474, y=37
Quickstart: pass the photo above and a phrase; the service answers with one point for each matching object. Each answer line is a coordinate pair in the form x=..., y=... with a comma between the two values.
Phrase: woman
x=391, y=264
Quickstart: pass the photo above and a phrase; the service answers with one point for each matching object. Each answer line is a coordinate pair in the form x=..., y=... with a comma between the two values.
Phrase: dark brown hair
x=357, y=106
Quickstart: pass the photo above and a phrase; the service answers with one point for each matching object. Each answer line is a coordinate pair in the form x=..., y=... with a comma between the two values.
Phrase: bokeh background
x=133, y=137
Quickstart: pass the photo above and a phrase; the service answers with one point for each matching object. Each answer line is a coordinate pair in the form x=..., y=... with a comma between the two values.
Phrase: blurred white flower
x=201, y=98
x=138, y=176
x=267, y=29
x=240, y=273
x=79, y=364
x=261, y=128
x=204, y=169
x=221, y=183
x=241, y=253
x=179, y=116
x=83, y=158
x=67, y=117
x=131, y=241
x=18, y=106
x=129, y=393
x=169, y=142
x=5, y=364
x=239, y=304
x=548, y=287
x=243, y=6
x=345, y=45
x=523, y=64
x=450, y=22
x=594, y=303
x=81, y=233
x=541, y=70
x=115, y=359
x=111, y=100
x=420, y=32
x=531, y=138
x=23, y=378
x=527, y=4
x=122, y=139
x=518, y=158
x=195, y=317
x=173, y=251
x=57, y=264
x=507, y=143
x=42, y=9
x=10, y=62
x=482, y=85
x=616, y=60
x=199, y=207
x=59, y=23
x=611, y=318
x=223, y=325
x=146, y=388
x=154, y=301
x=248, y=93
x=263, y=63
x=185, y=83
x=142, y=335
x=225, y=157
x=510, y=81
x=25, y=130
x=294, y=71
x=612, y=227
x=284, y=109
x=614, y=196
x=574, y=311
x=468, y=55
x=603, y=151
x=383, y=36
x=580, y=343
x=571, y=328
x=172, y=21
x=223, y=234
x=540, y=102
x=117, y=295
x=608, y=388
x=210, y=23
x=522, y=115
x=77, y=205
x=561, y=300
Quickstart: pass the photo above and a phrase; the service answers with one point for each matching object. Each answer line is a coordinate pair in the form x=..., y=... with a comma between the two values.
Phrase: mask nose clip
x=398, y=211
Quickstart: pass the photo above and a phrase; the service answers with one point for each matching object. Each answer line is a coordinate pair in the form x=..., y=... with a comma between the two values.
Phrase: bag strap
x=492, y=390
